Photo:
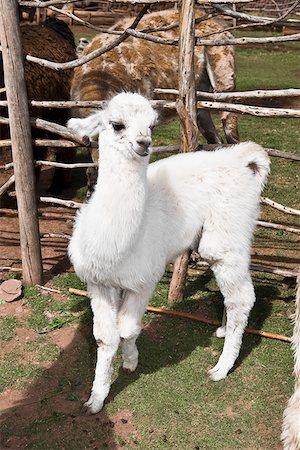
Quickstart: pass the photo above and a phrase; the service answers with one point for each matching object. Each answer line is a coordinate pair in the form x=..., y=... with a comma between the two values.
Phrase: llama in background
x=53, y=41
x=141, y=66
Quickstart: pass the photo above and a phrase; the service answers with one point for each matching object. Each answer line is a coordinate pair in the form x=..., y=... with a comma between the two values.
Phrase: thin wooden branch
x=225, y=10
x=213, y=2
x=84, y=59
x=7, y=185
x=250, y=110
x=9, y=269
x=51, y=143
x=231, y=96
x=64, y=165
x=46, y=215
x=273, y=270
x=44, y=4
x=64, y=104
x=58, y=201
x=8, y=165
x=197, y=317
x=60, y=130
x=55, y=235
x=285, y=155
x=248, y=40
x=54, y=128
x=221, y=96
x=255, y=267
x=285, y=209
x=173, y=148
x=57, y=216
x=207, y=2
x=82, y=22
x=278, y=226
x=149, y=37
x=200, y=318
x=277, y=21
x=44, y=288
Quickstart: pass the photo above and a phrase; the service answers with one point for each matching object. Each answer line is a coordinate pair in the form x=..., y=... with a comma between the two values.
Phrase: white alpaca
x=141, y=217
x=291, y=418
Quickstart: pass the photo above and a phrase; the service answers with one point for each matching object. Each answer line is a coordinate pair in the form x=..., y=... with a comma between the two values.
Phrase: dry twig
x=197, y=317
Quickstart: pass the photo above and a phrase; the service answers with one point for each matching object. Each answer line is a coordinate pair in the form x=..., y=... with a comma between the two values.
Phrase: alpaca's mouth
x=142, y=151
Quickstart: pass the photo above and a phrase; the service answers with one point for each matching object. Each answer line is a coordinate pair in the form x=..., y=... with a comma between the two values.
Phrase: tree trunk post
x=20, y=131
x=186, y=108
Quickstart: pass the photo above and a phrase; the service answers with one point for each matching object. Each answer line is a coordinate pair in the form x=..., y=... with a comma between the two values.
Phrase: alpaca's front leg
x=104, y=303
x=130, y=323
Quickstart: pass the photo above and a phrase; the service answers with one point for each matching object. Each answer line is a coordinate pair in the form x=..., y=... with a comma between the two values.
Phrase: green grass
x=45, y=349
x=14, y=372
x=8, y=326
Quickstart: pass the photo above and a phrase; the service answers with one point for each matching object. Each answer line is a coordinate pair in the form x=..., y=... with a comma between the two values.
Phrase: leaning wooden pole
x=20, y=131
x=186, y=108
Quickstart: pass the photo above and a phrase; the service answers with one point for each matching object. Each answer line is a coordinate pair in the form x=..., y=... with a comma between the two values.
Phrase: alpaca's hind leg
x=104, y=303
x=239, y=297
x=221, y=331
x=129, y=325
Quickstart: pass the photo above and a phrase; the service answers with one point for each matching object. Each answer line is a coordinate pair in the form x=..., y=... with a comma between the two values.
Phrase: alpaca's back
x=140, y=65
x=189, y=194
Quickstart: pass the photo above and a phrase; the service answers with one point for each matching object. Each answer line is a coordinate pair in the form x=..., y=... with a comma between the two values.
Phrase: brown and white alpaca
x=141, y=66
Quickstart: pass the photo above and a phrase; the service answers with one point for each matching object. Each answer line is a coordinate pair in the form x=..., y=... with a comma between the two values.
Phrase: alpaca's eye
x=118, y=126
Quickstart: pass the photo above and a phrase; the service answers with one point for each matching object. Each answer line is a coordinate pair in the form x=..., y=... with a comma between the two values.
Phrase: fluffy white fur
x=291, y=418
x=141, y=217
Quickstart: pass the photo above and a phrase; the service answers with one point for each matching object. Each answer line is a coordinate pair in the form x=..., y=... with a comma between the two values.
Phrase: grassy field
x=168, y=403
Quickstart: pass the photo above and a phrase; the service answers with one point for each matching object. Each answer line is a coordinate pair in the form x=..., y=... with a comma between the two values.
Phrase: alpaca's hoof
x=220, y=332
x=217, y=373
x=93, y=405
x=129, y=366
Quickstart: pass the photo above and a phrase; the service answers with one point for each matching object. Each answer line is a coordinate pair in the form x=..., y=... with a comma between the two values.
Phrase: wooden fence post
x=20, y=131
x=186, y=108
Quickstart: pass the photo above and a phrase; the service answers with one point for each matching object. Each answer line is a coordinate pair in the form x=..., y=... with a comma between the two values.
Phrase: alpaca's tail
x=291, y=417
x=256, y=159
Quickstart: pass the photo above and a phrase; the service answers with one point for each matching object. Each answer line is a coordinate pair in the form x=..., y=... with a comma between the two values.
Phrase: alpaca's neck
x=118, y=205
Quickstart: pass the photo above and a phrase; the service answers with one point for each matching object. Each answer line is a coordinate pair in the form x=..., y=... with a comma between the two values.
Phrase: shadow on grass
x=48, y=414
x=205, y=284
x=259, y=313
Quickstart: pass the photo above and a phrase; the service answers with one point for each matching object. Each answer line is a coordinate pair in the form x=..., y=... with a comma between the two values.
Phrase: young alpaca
x=291, y=418
x=141, y=217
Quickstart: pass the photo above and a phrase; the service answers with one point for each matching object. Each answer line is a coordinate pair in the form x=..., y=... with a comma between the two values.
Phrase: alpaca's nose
x=143, y=146
x=144, y=143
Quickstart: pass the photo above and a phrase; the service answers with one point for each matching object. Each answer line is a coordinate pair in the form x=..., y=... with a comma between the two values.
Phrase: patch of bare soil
x=45, y=413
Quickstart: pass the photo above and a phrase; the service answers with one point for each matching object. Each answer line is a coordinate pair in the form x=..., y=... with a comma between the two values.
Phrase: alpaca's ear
x=89, y=126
